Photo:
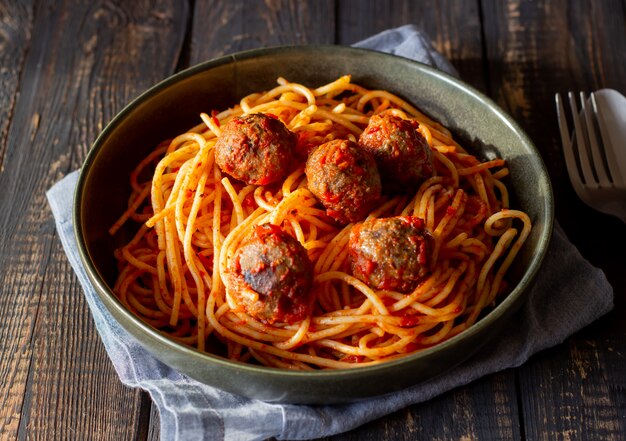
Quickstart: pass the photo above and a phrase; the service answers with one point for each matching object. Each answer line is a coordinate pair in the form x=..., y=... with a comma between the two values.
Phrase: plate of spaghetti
x=307, y=237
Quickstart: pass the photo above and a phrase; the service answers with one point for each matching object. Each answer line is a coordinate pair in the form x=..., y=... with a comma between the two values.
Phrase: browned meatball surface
x=345, y=179
x=401, y=152
x=277, y=268
x=257, y=149
x=391, y=253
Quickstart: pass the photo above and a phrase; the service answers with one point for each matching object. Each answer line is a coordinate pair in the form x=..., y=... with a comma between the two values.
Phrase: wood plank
x=237, y=26
x=578, y=389
x=16, y=20
x=575, y=391
x=484, y=410
x=453, y=25
x=85, y=62
x=155, y=425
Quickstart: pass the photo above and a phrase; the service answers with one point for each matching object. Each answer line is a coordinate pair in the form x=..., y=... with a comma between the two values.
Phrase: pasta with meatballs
x=312, y=228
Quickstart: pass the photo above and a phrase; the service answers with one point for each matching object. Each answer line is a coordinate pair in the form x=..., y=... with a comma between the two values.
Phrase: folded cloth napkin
x=568, y=294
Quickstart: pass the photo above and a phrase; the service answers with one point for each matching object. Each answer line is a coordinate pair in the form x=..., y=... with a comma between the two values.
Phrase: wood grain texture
x=85, y=61
x=154, y=428
x=221, y=28
x=454, y=27
x=16, y=19
x=484, y=410
x=535, y=49
x=578, y=392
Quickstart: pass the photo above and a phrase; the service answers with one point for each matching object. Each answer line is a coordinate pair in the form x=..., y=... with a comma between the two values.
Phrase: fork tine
x=583, y=144
x=595, y=142
x=611, y=162
x=568, y=149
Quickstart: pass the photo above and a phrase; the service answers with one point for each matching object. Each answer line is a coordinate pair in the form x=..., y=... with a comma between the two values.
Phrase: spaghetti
x=194, y=218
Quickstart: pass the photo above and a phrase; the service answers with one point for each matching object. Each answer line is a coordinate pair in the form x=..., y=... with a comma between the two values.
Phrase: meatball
x=275, y=266
x=391, y=253
x=401, y=152
x=345, y=179
x=257, y=149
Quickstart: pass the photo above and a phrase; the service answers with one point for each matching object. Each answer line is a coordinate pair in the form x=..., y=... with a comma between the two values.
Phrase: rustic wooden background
x=68, y=66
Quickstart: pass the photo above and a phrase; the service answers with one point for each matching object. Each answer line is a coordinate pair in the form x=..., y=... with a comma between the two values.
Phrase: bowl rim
x=111, y=302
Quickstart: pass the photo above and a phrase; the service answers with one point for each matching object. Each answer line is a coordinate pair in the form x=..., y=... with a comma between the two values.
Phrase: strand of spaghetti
x=234, y=199
x=244, y=192
x=145, y=311
x=300, y=197
x=480, y=167
x=152, y=156
x=479, y=184
x=454, y=174
x=445, y=292
x=218, y=240
x=200, y=162
x=440, y=335
x=174, y=266
x=211, y=124
x=339, y=119
x=504, y=192
x=502, y=243
x=170, y=204
x=403, y=105
x=242, y=320
x=157, y=197
x=190, y=255
x=297, y=338
x=497, y=175
x=333, y=331
x=159, y=299
x=333, y=248
x=232, y=322
x=303, y=119
x=232, y=239
x=292, y=179
x=340, y=108
x=297, y=230
x=367, y=352
x=425, y=132
x=457, y=241
x=412, y=298
x=370, y=318
x=163, y=276
x=356, y=283
x=384, y=207
x=125, y=250
x=514, y=248
x=131, y=209
x=139, y=261
x=452, y=215
x=288, y=87
x=244, y=103
x=260, y=201
x=426, y=324
x=319, y=361
x=277, y=107
x=330, y=87
x=273, y=361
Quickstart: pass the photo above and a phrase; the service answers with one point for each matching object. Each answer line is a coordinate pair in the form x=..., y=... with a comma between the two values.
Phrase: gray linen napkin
x=568, y=294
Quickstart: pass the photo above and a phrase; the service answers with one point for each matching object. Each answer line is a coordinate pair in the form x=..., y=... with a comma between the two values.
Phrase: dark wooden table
x=68, y=66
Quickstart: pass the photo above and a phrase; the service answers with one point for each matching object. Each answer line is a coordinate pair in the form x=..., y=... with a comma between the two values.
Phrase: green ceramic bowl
x=174, y=105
